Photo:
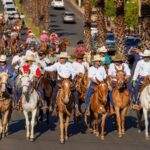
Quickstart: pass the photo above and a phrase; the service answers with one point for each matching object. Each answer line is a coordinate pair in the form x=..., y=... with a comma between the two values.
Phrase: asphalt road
x=47, y=136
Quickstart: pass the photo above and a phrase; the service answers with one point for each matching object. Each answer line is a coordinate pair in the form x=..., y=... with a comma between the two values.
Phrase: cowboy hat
x=80, y=42
x=31, y=34
x=29, y=58
x=146, y=53
x=3, y=58
x=118, y=57
x=96, y=58
x=102, y=49
x=63, y=55
x=79, y=56
x=44, y=32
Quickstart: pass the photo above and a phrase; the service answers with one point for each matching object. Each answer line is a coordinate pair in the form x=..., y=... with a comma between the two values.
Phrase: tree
x=100, y=6
x=119, y=30
x=87, y=24
x=144, y=17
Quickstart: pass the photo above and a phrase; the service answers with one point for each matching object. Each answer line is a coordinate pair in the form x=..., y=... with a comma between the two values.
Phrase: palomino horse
x=29, y=100
x=65, y=105
x=120, y=94
x=98, y=105
x=145, y=103
x=5, y=105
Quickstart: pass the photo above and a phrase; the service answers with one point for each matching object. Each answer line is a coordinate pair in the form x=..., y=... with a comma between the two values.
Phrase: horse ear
x=116, y=69
x=95, y=88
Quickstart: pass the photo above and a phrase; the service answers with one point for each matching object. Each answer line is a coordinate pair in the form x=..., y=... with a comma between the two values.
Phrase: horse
x=47, y=85
x=64, y=43
x=120, y=95
x=98, y=105
x=29, y=101
x=145, y=103
x=44, y=47
x=65, y=103
x=5, y=105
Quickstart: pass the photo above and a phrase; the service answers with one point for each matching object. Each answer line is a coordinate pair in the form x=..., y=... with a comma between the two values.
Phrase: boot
x=78, y=113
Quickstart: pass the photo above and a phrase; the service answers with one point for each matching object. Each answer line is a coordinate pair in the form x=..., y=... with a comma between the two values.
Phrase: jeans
x=89, y=94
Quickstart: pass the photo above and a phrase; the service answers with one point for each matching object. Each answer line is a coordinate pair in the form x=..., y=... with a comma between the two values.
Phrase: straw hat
x=44, y=32
x=31, y=34
x=29, y=58
x=63, y=55
x=146, y=53
x=118, y=57
x=3, y=58
x=102, y=49
x=96, y=58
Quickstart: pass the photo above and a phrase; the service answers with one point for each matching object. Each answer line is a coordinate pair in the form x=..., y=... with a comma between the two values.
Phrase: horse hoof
x=31, y=139
x=102, y=137
x=97, y=134
x=66, y=138
x=146, y=138
x=123, y=132
x=62, y=141
x=27, y=138
x=120, y=135
x=91, y=130
x=139, y=131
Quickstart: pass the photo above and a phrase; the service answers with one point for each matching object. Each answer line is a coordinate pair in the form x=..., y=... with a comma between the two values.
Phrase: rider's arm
x=136, y=71
x=51, y=68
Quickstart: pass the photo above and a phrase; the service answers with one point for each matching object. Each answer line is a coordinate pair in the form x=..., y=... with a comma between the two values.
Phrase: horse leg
x=1, y=127
x=66, y=127
x=47, y=111
x=61, y=125
x=103, y=125
x=139, y=118
x=96, y=124
x=124, y=111
x=5, y=122
x=146, y=123
x=33, y=124
x=27, y=124
x=118, y=120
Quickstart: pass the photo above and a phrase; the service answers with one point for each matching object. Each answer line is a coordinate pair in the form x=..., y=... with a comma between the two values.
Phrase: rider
x=118, y=63
x=96, y=72
x=53, y=38
x=31, y=39
x=142, y=70
x=64, y=69
x=44, y=36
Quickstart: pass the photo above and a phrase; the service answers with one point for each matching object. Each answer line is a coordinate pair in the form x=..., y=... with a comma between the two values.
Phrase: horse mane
x=145, y=83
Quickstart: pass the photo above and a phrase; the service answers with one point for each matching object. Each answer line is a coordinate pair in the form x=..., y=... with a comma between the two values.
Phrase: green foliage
x=131, y=13
x=110, y=8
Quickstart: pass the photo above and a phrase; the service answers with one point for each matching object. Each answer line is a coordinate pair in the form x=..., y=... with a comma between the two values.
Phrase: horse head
x=25, y=83
x=102, y=90
x=66, y=89
x=3, y=80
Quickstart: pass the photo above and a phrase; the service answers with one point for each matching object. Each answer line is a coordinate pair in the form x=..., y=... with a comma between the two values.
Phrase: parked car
x=69, y=17
x=94, y=30
x=57, y=4
x=7, y=1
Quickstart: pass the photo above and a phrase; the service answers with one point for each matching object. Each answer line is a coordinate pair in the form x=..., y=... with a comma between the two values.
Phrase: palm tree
x=119, y=30
x=100, y=6
x=145, y=24
x=87, y=24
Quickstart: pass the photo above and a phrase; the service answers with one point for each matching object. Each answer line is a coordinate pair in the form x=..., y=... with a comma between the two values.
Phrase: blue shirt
x=7, y=68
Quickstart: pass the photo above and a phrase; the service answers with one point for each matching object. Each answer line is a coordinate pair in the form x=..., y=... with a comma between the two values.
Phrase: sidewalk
x=80, y=9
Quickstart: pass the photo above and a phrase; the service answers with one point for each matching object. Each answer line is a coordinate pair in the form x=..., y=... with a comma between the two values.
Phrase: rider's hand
x=133, y=83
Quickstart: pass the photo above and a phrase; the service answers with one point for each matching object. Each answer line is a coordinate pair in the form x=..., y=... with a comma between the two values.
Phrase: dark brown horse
x=65, y=105
x=98, y=105
x=64, y=43
x=121, y=97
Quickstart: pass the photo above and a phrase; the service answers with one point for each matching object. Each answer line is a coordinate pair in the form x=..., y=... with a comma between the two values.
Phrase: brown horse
x=120, y=96
x=44, y=47
x=65, y=105
x=5, y=105
x=98, y=105
x=63, y=45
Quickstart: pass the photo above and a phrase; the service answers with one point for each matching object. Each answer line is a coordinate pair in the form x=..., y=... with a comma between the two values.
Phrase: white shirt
x=19, y=59
x=112, y=70
x=97, y=73
x=64, y=70
x=78, y=67
x=142, y=69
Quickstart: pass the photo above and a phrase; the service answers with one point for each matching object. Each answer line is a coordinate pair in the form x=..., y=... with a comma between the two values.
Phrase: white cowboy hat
x=63, y=55
x=102, y=49
x=29, y=58
x=3, y=58
x=146, y=53
x=96, y=58
x=44, y=31
x=31, y=34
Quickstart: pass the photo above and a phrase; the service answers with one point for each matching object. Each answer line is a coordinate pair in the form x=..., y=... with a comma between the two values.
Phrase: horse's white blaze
x=145, y=103
x=66, y=98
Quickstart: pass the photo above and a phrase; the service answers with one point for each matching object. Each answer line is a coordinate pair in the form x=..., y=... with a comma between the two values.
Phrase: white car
x=57, y=4
x=10, y=10
x=7, y=1
x=94, y=30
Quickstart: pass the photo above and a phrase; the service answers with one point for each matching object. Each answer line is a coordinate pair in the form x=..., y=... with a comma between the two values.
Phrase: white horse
x=145, y=103
x=29, y=100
